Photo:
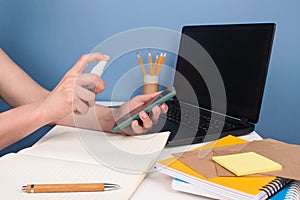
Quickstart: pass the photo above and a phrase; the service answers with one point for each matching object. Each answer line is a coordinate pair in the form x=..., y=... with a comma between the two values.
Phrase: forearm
x=16, y=87
x=98, y=118
x=19, y=122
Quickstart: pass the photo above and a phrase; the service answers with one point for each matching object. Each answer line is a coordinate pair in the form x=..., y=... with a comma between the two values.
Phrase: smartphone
x=160, y=98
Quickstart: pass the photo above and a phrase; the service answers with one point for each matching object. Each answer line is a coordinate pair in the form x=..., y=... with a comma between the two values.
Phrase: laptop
x=203, y=110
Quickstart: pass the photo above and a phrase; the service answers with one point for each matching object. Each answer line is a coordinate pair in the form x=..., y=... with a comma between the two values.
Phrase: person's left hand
x=148, y=120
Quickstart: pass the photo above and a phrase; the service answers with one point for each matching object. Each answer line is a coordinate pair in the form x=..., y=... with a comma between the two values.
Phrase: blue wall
x=46, y=37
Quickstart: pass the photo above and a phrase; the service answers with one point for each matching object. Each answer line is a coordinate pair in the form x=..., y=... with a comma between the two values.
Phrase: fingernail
x=135, y=123
x=156, y=109
x=144, y=115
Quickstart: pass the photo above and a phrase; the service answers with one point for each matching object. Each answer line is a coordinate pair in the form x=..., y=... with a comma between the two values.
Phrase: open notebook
x=64, y=157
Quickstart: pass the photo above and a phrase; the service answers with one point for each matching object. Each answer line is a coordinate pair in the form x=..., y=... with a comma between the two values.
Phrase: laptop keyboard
x=190, y=118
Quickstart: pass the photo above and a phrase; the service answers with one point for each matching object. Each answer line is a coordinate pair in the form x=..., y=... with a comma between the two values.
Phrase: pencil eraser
x=99, y=68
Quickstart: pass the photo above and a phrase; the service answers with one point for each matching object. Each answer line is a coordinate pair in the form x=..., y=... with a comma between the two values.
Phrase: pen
x=75, y=187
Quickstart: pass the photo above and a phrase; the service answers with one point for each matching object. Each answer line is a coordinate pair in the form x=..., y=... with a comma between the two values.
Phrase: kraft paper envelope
x=204, y=165
x=288, y=155
x=285, y=154
x=221, y=171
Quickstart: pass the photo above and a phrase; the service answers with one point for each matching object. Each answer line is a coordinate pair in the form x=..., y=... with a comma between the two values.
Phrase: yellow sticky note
x=246, y=163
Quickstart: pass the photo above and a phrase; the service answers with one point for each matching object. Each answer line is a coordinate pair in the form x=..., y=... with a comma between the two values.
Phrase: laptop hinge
x=244, y=120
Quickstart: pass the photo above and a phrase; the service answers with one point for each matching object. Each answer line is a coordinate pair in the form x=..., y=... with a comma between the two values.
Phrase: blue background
x=46, y=37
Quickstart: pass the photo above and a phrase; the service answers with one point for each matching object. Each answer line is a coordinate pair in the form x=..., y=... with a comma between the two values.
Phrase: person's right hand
x=70, y=95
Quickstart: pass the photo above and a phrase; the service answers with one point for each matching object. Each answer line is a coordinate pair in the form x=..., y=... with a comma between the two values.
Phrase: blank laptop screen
x=241, y=53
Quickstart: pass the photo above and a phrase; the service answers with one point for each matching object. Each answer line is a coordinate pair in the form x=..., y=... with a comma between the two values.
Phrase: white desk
x=159, y=185
x=155, y=184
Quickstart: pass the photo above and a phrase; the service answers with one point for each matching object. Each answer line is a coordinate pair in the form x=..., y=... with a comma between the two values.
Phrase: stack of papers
x=274, y=167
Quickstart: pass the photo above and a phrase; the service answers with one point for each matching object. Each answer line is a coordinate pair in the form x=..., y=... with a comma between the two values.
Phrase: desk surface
x=156, y=184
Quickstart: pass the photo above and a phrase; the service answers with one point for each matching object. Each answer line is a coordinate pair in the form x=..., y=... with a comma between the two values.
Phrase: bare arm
x=35, y=106
x=16, y=87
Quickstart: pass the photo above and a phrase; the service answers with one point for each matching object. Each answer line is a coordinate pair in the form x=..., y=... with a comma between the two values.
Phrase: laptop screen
x=241, y=53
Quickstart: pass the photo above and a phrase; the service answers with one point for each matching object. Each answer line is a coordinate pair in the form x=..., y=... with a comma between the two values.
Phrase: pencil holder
x=150, y=84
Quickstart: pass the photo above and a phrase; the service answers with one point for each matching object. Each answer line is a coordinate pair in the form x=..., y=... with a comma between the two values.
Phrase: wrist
x=45, y=113
x=106, y=118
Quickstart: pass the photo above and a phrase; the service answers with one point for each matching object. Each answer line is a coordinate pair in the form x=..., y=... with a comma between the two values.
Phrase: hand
x=70, y=95
x=147, y=120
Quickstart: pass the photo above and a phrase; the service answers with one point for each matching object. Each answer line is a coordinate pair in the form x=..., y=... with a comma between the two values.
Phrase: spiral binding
x=293, y=192
x=274, y=186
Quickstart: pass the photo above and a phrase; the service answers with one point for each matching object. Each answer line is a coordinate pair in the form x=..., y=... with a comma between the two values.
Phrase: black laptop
x=241, y=53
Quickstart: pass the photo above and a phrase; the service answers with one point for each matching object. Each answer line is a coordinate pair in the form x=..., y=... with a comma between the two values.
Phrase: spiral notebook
x=289, y=192
x=239, y=188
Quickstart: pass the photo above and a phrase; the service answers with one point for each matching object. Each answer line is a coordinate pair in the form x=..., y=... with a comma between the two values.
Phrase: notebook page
x=129, y=153
x=17, y=170
x=134, y=153
x=64, y=146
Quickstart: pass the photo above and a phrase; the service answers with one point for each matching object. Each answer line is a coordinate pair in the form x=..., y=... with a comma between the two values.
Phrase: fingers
x=156, y=111
x=141, y=99
x=144, y=126
x=82, y=101
x=85, y=60
x=83, y=98
x=137, y=129
x=70, y=94
x=80, y=107
x=91, y=80
x=164, y=108
x=100, y=86
x=86, y=96
x=147, y=121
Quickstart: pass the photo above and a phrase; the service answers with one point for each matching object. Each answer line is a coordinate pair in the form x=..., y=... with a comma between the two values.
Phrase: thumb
x=85, y=60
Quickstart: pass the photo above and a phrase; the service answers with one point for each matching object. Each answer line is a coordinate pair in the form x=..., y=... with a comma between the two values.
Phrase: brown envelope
x=204, y=165
x=285, y=154
x=288, y=155
x=221, y=171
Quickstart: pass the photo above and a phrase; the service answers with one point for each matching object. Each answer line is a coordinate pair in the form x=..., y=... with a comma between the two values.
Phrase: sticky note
x=246, y=163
